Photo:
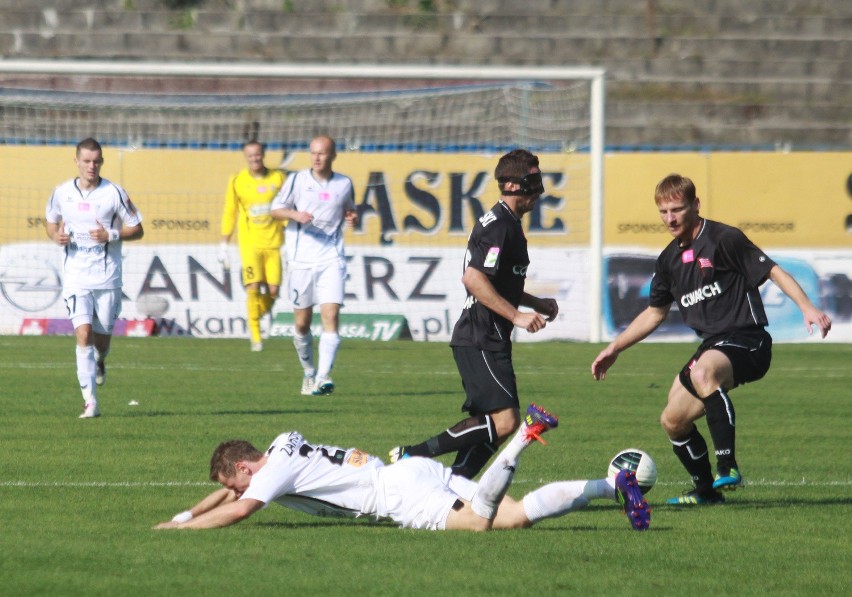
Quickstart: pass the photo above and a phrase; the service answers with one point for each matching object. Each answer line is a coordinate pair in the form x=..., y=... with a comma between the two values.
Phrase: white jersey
x=320, y=241
x=91, y=265
x=316, y=479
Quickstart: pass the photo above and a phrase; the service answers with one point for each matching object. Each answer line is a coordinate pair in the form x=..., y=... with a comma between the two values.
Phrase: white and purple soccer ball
x=638, y=461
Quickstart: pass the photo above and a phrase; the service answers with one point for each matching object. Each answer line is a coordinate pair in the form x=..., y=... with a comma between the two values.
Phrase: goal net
x=419, y=143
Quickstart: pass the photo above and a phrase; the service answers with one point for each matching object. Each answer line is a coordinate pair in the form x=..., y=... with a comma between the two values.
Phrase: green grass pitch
x=78, y=498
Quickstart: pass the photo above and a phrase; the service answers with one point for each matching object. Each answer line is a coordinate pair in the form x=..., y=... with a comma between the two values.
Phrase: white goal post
x=452, y=120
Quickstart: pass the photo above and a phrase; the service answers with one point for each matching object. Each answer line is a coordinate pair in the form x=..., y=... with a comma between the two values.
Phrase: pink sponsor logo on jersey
x=687, y=256
x=324, y=196
x=491, y=257
x=83, y=207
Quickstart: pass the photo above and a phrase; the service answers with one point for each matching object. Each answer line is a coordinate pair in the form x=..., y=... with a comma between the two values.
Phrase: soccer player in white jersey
x=89, y=217
x=316, y=202
x=414, y=492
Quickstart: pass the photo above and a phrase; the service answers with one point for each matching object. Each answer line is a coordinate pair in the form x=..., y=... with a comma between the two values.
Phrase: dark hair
x=227, y=454
x=515, y=164
x=89, y=143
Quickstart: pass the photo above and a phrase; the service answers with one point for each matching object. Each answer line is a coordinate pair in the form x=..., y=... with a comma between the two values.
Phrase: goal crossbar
x=463, y=73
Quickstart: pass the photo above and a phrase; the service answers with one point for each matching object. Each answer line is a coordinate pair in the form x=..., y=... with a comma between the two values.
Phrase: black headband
x=531, y=184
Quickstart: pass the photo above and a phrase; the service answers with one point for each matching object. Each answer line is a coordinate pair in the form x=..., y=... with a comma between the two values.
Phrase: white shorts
x=318, y=285
x=100, y=308
x=418, y=493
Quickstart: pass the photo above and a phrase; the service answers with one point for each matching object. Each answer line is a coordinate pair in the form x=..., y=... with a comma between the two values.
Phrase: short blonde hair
x=675, y=186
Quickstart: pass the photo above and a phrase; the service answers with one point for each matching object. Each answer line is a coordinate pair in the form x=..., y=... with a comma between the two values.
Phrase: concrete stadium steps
x=623, y=23
x=783, y=65
x=146, y=42
x=725, y=124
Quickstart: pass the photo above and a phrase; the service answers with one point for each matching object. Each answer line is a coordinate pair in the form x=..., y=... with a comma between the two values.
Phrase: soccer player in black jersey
x=495, y=268
x=713, y=272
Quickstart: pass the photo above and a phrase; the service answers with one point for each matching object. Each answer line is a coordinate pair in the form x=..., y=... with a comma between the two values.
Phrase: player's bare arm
x=639, y=329
x=351, y=217
x=224, y=515
x=101, y=234
x=56, y=233
x=478, y=285
x=789, y=286
x=302, y=217
x=213, y=500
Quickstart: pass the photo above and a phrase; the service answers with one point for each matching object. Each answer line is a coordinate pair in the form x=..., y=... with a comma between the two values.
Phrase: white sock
x=496, y=479
x=493, y=485
x=328, y=344
x=562, y=497
x=86, y=372
x=517, y=444
x=305, y=350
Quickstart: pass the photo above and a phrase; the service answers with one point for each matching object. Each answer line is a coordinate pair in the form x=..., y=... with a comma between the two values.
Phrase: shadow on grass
x=568, y=528
x=416, y=394
x=322, y=524
x=748, y=504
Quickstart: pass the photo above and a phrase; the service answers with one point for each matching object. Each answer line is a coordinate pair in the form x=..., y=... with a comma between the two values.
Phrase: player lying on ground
x=417, y=493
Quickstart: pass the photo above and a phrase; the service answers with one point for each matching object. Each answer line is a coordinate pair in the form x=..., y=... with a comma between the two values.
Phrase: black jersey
x=714, y=280
x=498, y=248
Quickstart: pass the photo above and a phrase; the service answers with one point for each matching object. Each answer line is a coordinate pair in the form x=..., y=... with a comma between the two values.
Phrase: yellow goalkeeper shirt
x=247, y=201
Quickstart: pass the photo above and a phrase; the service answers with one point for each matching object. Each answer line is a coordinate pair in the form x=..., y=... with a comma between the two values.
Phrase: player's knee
x=506, y=422
x=704, y=379
x=673, y=424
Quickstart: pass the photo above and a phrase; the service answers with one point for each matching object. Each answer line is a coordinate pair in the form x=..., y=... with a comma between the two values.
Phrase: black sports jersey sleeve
x=714, y=281
x=498, y=248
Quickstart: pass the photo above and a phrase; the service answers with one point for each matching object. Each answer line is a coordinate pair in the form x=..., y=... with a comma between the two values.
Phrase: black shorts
x=750, y=353
x=488, y=378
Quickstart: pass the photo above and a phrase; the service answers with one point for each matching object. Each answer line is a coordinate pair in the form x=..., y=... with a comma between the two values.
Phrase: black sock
x=471, y=460
x=464, y=434
x=691, y=450
x=721, y=420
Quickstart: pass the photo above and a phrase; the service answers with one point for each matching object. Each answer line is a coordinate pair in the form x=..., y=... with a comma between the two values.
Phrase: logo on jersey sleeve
x=357, y=458
x=491, y=257
x=487, y=218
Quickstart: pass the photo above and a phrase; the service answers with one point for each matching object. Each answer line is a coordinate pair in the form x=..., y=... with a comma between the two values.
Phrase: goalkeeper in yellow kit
x=247, y=202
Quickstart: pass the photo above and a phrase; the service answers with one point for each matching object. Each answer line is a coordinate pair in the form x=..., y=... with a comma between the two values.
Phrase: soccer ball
x=152, y=305
x=639, y=462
